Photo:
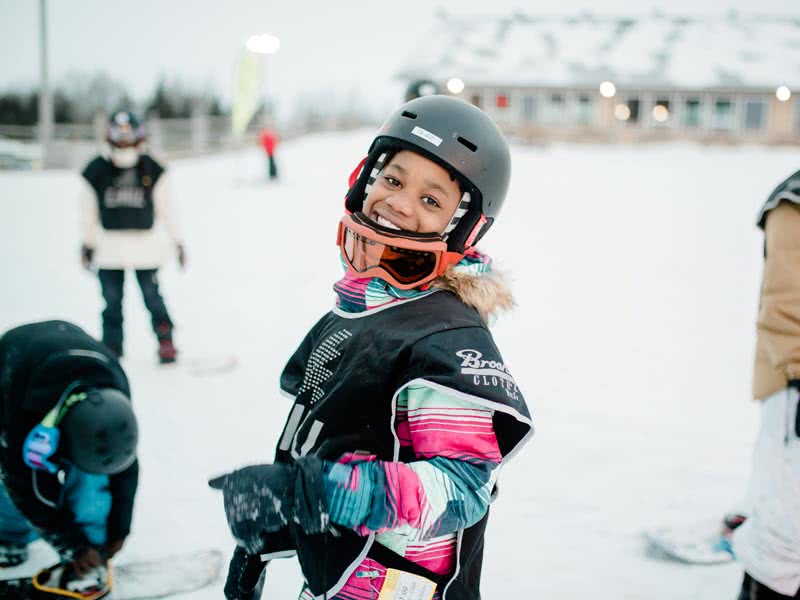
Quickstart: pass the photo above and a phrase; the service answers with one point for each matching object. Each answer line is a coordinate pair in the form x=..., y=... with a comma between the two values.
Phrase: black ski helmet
x=463, y=140
x=99, y=434
x=124, y=129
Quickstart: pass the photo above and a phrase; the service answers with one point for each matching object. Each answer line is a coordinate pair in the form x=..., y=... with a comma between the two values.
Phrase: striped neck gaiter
x=355, y=294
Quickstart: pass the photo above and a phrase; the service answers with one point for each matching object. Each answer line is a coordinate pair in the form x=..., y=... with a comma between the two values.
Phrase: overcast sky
x=328, y=49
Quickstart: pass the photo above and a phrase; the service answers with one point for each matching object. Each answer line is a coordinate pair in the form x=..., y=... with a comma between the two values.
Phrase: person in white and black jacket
x=128, y=222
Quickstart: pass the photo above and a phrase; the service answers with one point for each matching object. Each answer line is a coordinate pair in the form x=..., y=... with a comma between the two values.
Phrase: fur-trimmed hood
x=489, y=293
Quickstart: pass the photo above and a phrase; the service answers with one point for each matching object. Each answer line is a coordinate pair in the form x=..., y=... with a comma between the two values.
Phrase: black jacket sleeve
x=123, y=490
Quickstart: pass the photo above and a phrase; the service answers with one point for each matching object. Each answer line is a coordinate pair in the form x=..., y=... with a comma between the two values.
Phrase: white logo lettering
x=487, y=372
x=126, y=197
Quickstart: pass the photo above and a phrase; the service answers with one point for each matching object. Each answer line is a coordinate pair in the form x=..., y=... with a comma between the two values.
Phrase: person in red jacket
x=269, y=141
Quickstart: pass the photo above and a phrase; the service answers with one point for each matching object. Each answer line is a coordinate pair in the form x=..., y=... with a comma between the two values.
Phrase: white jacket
x=767, y=545
x=131, y=249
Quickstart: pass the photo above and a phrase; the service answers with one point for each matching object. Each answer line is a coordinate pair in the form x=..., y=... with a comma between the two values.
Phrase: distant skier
x=269, y=140
x=68, y=439
x=127, y=204
x=403, y=409
x=767, y=544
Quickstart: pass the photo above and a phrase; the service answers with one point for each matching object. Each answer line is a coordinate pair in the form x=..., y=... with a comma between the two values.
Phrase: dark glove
x=86, y=559
x=258, y=500
x=263, y=499
x=244, y=572
x=112, y=548
x=181, y=256
x=87, y=254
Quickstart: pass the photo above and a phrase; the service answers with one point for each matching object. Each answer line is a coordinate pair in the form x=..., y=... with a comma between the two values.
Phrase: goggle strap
x=356, y=172
x=65, y=402
x=475, y=231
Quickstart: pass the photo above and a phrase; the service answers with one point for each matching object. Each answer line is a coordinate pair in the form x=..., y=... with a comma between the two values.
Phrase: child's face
x=413, y=193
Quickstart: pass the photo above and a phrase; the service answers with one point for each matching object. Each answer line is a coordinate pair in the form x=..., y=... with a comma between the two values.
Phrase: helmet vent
x=409, y=115
x=465, y=142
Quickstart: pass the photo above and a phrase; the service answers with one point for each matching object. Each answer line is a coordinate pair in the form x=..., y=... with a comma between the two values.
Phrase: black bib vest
x=788, y=189
x=124, y=196
x=345, y=378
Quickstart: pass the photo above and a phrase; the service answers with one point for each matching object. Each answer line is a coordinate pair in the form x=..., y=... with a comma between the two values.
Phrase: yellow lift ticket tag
x=400, y=585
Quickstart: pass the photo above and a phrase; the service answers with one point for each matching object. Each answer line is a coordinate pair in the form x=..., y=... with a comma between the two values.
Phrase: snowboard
x=196, y=365
x=204, y=366
x=141, y=579
x=704, y=543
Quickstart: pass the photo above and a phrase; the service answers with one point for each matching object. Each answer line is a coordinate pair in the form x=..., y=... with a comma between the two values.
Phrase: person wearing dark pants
x=129, y=223
x=269, y=141
x=112, y=283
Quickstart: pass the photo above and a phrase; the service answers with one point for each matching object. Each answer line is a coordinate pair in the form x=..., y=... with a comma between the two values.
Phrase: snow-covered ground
x=636, y=270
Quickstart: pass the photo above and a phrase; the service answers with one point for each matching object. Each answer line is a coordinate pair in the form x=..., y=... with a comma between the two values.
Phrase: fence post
x=99, y=124
x=199, y=128
x=155, y=138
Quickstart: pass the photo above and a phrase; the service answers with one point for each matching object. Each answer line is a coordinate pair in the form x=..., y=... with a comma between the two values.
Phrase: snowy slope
x=636, y=271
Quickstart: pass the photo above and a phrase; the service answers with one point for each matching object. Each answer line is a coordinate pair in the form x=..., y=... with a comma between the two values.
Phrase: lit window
x=622, y=112
x=661, y=110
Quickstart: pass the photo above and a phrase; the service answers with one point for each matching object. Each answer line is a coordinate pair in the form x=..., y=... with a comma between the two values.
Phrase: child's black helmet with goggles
x=463, y=140
x=124, y=130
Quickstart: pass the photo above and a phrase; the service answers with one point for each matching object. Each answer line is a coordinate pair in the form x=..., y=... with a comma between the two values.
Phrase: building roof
x=657, y=51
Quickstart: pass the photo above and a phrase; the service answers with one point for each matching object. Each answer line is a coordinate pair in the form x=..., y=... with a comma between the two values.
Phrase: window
x=692, y=113
x=633, y=110
x=529, y=107
x=584, y=116
x=754, y=114
x=476, y=100
x=723, y=113
x=555, y=108
x=797, y=115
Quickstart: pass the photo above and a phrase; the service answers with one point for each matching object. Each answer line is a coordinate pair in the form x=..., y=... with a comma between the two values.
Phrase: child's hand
x=86, y=559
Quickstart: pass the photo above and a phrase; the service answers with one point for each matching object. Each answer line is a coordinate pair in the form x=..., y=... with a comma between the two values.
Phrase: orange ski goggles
x=403, y=259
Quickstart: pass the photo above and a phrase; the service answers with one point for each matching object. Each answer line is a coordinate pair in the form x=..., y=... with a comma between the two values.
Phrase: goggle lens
x=405, y=265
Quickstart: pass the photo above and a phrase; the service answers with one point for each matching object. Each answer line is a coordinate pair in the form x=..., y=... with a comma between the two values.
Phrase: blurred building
x=732, y=78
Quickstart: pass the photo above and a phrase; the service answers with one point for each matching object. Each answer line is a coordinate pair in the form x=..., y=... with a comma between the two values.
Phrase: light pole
x=45, y=97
